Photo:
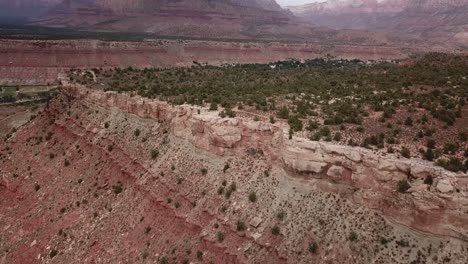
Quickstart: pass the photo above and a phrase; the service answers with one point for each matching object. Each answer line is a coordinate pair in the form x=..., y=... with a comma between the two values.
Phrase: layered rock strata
x=370, y=179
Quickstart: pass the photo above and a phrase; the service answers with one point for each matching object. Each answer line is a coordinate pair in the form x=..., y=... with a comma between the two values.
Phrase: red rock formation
x=41, y=61
x=376, y=177
x=114, y=201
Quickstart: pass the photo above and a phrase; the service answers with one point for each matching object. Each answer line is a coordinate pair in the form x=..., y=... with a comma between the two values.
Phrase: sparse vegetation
x=137, y=132
x=300, y=92
x=405, y=152
x=220, y=237
x=240, y=226
x=403, y=186
x=353, y=236
x=200, y=256
x=428, y=180
x=118, y=188
x=154, y=153
x=313, y=247
x=253, y=197
x=53, y=253
x=275, y=230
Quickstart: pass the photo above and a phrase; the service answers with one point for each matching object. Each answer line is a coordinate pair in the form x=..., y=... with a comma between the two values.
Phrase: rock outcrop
x=439, y=206
x=104, y=177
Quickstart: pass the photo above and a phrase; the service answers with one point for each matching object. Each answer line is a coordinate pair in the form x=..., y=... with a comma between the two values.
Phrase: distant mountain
x=334, y=21
x=443, y=20
x=25, y=8
x=201, y=18
x=244, y=19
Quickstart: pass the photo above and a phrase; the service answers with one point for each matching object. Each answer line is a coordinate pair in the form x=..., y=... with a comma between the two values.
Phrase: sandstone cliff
x=440, y=208
x=104, y=177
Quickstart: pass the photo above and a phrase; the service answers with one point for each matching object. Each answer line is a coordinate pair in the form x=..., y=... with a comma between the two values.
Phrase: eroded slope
x=101, y=178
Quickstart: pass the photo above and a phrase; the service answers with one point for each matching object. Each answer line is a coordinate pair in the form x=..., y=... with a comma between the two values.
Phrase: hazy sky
x=296, y=2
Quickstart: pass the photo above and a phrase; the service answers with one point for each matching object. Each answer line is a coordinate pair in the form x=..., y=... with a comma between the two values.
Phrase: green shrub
x=226, y=167
x=117, y=188
x=154, y=153
x=429, y=180
x=275, y=230
x=281, y=215
x=272, y=119
x=353, y=236
x=53, y=253
x=295, y=123
x=137, y=132
x=240, y=226
x=283, y=113
x=337, y=136
x=220, y=237
x=199, y=255
x=403, y=186
x=253, y=197
x=431, y=143
x=463, y=136
x=453, y=164
x=405, y=152
x=313, y=247
x=147, y=229
x=163, y=260
x=213, y=107
x=409, y=121
x=313, y=125
x=428, y=155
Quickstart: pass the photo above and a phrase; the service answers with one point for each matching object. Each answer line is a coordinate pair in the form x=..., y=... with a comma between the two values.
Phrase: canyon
x=122, y=141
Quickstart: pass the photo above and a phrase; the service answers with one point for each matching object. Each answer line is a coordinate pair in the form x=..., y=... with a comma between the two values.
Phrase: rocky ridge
x=439, y=208
x=104, y=177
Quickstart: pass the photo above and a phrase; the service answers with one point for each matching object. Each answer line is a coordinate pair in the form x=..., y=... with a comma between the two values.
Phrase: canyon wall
x=40, y=62
x=360, y=175
x=440, y=21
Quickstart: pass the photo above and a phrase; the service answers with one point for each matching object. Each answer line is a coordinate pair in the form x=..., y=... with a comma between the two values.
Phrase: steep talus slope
x=81, y=182
x=429, y=19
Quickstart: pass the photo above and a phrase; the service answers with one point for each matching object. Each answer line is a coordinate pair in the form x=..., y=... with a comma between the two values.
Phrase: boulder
x=255, y=222
x=336, y=172
x=444, y=186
